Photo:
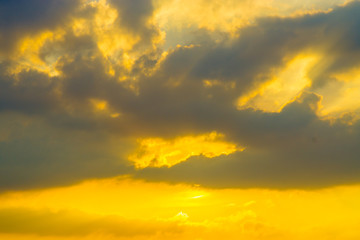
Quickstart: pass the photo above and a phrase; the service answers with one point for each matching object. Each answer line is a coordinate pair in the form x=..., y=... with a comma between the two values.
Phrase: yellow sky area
x=157, y=152
x=229, y=15
x=211, y=15
x=122, y=197
x=97, y=209
x=283, y=88
x=341, y=96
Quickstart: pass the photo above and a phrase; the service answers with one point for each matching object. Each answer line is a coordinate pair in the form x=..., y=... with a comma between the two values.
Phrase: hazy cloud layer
x=78, y=224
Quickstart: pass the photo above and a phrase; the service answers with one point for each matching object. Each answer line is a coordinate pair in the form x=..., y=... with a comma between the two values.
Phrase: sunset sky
x=179, y=119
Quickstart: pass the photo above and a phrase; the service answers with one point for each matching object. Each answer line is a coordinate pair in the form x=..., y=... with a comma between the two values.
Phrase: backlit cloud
x=86, y=86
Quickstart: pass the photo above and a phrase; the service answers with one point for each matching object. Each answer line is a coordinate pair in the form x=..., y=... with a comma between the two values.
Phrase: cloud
x=72, y=224
x=34, y=154
x=22, y=18
x=296, y=150
x=137, y=19
x=112, y=55
x=133, y=15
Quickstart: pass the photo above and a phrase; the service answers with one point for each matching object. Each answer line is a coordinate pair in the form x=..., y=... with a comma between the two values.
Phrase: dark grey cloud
x=173, y=101
x=133, y=14
x=31, y=92
x=21, y=17
x=135, y=17
x=33, y=154
x=291, y=149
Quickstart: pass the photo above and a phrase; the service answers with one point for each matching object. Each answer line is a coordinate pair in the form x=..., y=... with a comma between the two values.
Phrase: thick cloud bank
x=71, y=109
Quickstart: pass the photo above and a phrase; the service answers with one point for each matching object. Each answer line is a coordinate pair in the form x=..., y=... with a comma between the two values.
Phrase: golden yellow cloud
x=157, y=152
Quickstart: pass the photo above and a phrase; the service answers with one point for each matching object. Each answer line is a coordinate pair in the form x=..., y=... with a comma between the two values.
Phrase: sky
x=179, y=119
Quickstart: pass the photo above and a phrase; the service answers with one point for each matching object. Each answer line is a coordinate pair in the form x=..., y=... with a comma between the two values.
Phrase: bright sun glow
x=256, y=212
